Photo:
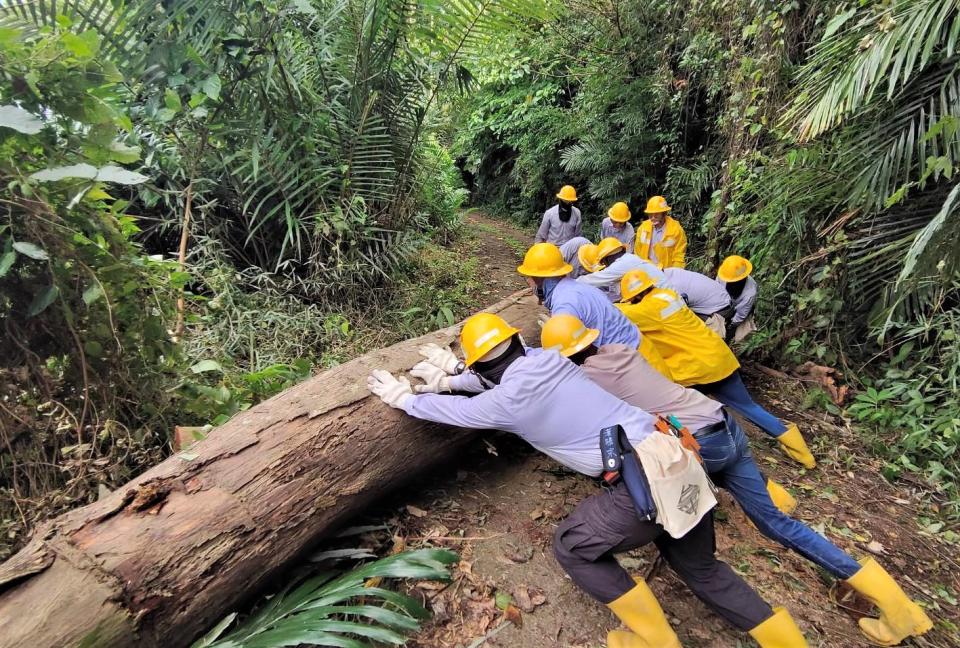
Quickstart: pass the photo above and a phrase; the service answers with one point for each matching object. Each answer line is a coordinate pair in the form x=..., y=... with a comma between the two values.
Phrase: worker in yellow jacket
x=699, y=358
x=661, y=239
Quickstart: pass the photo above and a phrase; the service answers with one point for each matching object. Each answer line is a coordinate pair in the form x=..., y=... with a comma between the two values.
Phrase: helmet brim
x=565, y=269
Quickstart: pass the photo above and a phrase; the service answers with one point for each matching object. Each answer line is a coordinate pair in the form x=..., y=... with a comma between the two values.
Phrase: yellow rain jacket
x=695, y=354
x=650, y=353
x=670, y=251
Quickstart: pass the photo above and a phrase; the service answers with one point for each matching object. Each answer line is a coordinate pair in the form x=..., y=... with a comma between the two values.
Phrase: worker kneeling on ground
x=549, y=276
x=726, y=455
x=734, y=277
x=661, y=239
x=697, y=357
x=605, y=264
x=617, y=224
x=549, y=402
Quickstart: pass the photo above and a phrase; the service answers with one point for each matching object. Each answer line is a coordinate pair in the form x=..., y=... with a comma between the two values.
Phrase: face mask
x=735, y=288
x=565, y=211
x=491, y=372
x=541, y=293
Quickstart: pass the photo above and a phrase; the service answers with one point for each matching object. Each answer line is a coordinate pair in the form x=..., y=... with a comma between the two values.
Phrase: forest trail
x=505, y=500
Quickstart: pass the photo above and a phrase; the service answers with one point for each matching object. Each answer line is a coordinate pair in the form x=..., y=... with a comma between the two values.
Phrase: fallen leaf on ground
x=503, y=599
x=875, y=547
x=512, y=614
x=519, y=554
x=416, y=512
x=536, y=514
x=528, y=599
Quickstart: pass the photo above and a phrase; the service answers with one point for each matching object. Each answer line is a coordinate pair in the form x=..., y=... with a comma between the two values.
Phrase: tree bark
x=166, y=556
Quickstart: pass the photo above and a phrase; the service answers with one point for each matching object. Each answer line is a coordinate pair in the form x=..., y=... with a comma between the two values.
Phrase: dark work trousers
x=606, y=524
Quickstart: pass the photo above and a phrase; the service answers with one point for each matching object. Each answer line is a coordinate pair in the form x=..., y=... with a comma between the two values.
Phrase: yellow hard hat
x=481, y=333
x=567, y=334
x=608, y=246
x=657, y=205
x=544, y=260
x=734, y=268
x=619, y=212
x=587, y=255
x=568, y=193
x=633, y=283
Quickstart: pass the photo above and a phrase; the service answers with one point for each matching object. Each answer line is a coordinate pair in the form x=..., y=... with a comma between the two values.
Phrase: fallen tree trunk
x=166, y=556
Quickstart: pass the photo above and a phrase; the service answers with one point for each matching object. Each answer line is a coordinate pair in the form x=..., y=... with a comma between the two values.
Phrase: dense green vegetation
x=202, y=201
x=205, y=199
x=819, y=139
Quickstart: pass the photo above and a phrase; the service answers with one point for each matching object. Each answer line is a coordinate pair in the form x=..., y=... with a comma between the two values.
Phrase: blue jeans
x=733, y=393
x=727, y=457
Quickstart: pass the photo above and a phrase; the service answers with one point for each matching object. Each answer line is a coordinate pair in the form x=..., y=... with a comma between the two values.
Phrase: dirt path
x=499, y=507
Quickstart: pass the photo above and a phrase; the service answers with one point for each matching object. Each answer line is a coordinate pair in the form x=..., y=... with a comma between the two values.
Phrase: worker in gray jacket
x=610, y=261
x=734, y=277
x=570, y=252
x=562, y=221
x=703, y=296
x=550, y=403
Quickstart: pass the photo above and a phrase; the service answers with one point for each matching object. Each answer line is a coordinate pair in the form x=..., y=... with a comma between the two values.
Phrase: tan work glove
x=441, y=357
x=392, y=391
x=434, y=378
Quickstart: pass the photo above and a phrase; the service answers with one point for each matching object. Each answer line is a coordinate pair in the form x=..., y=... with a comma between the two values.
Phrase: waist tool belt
x=620, y=462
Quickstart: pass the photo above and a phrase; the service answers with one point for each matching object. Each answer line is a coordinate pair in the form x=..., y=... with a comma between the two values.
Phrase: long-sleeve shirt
x=608, y=279
x=703, y=295
x=549, y=402
x=743, y=304
x=593, y=308
x=627, y=375
x=625, y=234
x=569, y=251
x=695, y=354
x=553, y=230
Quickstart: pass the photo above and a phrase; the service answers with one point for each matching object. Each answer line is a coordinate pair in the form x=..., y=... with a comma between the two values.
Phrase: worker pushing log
x=166, y=556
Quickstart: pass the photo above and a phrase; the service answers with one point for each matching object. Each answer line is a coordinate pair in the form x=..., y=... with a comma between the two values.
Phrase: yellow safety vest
x=695, y=354
x=670, y=251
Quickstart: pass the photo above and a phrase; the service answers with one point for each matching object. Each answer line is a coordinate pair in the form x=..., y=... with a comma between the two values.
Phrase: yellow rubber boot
x=640, y=611
x=779, y=631
x=782, y=499
x=899, y=616
x=796, y=448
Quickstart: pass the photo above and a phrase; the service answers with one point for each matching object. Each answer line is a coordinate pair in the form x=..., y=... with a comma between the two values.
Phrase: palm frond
x=867, y=52
x=331, y=610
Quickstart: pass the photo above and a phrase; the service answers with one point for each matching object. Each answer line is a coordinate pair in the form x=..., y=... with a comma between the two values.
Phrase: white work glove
x=392, y=391
x=542, y=319
x=441, y=357
x=434, y=378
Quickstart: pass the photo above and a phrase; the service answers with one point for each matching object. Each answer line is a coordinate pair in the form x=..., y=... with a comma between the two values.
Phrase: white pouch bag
x=744, y=329
x=678, y=484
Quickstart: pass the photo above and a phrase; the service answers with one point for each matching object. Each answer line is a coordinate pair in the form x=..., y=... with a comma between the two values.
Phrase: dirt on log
x=166, y=556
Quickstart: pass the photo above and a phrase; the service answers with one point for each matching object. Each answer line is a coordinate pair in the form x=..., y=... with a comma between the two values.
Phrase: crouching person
x=726, y=455
x=551, y=403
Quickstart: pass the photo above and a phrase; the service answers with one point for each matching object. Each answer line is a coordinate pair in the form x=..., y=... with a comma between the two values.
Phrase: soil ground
x=499, y=507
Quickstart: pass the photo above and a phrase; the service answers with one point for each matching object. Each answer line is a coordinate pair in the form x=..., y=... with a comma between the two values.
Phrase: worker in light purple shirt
x=613, y=261
x=734, y=277
x=549, y=402
x=703, y=296
x=569, y=251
